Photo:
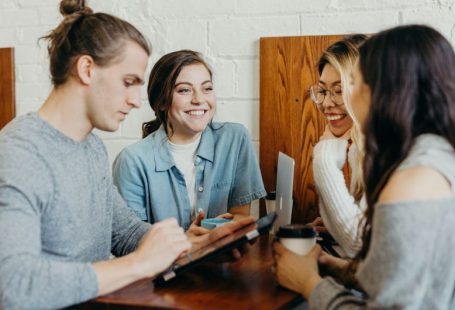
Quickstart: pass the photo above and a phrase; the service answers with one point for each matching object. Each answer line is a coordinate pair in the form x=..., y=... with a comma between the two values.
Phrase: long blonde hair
x=342, y=56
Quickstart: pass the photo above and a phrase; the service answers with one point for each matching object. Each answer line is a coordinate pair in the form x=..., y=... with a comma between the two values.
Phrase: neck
x=184, y=139
x=64, y=110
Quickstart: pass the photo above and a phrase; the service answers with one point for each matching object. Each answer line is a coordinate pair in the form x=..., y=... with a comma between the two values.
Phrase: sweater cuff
x=324, y=293
x=88, y=283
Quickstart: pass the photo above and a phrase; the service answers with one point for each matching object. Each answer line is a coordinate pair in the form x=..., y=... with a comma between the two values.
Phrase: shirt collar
x=163, y=157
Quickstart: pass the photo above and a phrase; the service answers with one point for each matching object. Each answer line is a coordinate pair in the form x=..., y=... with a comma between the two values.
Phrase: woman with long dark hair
x=404, y=98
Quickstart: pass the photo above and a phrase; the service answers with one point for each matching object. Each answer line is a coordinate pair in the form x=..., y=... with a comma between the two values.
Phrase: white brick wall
x=226, y=31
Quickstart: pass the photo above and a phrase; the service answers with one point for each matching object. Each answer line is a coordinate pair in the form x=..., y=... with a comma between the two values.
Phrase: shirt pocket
x=219, y=198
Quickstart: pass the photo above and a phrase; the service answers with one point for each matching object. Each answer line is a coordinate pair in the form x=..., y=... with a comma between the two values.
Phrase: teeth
x=196, y=112
x=334, y=117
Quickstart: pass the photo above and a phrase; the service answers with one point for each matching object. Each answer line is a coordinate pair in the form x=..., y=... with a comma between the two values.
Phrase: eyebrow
x=189, y=84
x=336, y=82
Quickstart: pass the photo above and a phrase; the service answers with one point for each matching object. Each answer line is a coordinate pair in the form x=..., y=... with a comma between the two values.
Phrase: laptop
x=284, y=189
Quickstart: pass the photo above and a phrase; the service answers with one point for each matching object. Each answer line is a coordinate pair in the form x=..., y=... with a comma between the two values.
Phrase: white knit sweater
x=340, y=212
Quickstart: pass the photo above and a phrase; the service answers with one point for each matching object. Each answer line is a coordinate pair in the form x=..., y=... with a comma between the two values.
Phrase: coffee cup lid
x=296, y=231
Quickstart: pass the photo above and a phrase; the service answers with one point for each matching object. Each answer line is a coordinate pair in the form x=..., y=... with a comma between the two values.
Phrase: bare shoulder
x=416, y=183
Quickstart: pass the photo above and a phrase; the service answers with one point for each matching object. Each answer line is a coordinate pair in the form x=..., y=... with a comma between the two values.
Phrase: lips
x=335, y=117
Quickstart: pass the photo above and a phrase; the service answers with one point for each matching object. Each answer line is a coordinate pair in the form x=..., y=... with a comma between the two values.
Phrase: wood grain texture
x=7, y=86
x=245, y=284
x=289, y=121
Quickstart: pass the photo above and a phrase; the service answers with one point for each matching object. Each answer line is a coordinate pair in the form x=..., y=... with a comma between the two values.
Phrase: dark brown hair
x=162, y=83
x=410, y=71
x=82, y=32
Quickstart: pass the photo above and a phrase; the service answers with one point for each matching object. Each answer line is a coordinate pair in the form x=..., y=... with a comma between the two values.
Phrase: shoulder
x=232, y=133
x=228, y=128
x=415, y=183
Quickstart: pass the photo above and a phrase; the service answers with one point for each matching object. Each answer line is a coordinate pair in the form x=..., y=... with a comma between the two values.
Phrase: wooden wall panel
x=289, y=121
x=7, y=86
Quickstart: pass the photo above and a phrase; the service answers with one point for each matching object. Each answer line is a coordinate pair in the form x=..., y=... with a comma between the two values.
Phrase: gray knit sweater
x=59, y=211
x=410, y=261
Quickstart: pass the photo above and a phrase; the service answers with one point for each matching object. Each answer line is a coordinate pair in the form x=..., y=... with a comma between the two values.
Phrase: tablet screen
x=220, y=246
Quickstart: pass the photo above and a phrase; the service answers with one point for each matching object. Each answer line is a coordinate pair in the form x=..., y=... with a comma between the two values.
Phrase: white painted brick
x=281, y=6
x=183, y=34
x=242, y=111
x=240, y=36
x=348, y=5
x=38, y=3
x=441, y=19
x=30, y=54
x=247, y=77
x=359, y=22
x=188, y=9
x=22, y=109
x=223, y=77
x=32, y=92
x=114, y=147
x=8, y=37
x=132, y=125
x=9, y=4
x=31, y=73
x=30, y=35
x=49, y=16
x=19, y=17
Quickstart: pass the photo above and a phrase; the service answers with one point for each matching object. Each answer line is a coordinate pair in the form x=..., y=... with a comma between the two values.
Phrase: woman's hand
x=297, y=273
x=318, y=225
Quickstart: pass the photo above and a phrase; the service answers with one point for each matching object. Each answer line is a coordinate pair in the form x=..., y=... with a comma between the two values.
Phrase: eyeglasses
x=318, y=94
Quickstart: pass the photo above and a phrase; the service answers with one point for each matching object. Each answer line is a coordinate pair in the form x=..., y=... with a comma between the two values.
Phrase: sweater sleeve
x=29, y=280
x=339, y=211
x=127, y=228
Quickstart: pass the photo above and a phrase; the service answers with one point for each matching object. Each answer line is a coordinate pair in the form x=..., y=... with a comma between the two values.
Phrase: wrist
x=309, y=286
x=135, y=266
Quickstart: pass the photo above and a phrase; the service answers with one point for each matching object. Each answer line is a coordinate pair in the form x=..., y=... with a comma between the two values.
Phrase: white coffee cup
x=298, y=238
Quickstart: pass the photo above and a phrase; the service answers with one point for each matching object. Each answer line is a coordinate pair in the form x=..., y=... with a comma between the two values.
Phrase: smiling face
x=193, y=104
x=360, y=97
x=115, y=89
x=338, y=119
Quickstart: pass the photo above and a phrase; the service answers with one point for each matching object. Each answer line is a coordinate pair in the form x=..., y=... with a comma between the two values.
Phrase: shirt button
x=200, y=188
x=198, y=160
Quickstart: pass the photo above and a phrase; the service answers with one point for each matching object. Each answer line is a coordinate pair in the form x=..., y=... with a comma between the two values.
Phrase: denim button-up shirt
x=227, y=175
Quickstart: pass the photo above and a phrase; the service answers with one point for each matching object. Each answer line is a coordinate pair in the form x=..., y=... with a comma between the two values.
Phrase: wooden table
x=245, y=284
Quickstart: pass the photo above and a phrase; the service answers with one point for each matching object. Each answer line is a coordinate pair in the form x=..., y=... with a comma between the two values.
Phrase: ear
x=84, y=68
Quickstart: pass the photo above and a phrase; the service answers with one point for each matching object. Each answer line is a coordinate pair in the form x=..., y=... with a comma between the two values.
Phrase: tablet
x=218, y=247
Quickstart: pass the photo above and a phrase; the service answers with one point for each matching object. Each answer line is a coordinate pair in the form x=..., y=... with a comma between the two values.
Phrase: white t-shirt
x=184, y=156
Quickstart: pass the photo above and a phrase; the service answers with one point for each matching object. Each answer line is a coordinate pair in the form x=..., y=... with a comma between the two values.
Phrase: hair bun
x=68, y=7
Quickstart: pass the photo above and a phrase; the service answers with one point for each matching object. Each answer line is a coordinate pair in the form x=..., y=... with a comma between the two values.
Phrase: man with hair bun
x=60, y=214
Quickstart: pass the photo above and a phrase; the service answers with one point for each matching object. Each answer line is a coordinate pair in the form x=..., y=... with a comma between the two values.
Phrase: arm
x=396, y=259
x=160, y=246
x=28, y=279
x=247, y=184
x=130, y=183
x=339, y=211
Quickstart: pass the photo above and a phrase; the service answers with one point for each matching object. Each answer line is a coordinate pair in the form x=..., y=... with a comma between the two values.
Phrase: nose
x=328, y=99
x=134, y=99
x=197, y=98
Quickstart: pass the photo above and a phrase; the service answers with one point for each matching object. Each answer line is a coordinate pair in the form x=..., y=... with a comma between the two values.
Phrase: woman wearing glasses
x=341, y=205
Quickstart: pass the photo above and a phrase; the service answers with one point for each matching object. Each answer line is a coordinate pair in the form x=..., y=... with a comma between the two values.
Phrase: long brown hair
x=162, y=83
x=82, y=32
x=410, y=71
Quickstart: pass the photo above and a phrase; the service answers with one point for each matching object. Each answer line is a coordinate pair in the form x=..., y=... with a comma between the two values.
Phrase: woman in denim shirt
x=186, y=162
